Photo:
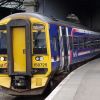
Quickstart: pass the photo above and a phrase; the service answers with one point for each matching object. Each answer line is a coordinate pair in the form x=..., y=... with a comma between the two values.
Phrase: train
x=33, y=48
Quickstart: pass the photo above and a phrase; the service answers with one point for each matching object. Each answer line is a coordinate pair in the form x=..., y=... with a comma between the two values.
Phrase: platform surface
x=81, y=84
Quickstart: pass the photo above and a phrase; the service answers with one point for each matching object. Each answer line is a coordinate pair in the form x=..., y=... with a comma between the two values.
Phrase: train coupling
x=21, y=82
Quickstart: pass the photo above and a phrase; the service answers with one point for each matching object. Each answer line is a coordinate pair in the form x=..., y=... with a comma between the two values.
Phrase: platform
x=81, y=84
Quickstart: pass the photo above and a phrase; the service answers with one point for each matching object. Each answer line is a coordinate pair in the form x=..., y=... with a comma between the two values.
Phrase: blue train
x=75, y=44
x=34, y=47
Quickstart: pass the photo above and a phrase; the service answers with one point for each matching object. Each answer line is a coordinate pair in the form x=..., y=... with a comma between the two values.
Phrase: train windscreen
x=3, y=43
x=39, y=43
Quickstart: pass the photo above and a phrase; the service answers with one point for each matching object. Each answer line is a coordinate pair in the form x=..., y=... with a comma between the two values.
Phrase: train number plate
x=40, y=65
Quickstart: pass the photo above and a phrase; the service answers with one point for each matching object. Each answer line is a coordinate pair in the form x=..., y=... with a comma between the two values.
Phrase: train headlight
x=39, y=58
x=2, y=58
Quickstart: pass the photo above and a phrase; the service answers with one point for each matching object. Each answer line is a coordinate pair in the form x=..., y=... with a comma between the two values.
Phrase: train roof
x=27, y=15
x=47, y=19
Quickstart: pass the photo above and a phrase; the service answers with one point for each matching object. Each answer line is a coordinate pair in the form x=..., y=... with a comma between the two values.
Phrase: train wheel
x=69, y=69
x=49, y=88
x=52, y=85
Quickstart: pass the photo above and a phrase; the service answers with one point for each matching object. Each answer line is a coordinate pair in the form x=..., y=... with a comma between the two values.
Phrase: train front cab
x=25, y=57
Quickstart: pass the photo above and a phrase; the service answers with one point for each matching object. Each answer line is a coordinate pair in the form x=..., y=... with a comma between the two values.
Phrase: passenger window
x=85, y=42
x=97, y=42
x=88, y=42
x=64, y=36
x=92, y=42
x=54, y=43
x=64, y=31
x=75, y=43
x=70, y=42
x=81, y=42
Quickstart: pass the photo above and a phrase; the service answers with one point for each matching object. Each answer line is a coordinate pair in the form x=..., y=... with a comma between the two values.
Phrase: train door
x=63, y=47
x=19, y=47
x=55, y=47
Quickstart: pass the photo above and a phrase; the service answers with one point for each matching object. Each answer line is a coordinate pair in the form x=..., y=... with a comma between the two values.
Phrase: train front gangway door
x=19, y=48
